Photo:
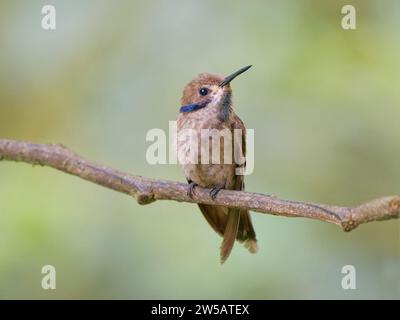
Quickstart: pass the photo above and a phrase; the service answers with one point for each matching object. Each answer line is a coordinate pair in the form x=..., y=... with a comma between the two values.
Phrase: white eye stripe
x=211, y=89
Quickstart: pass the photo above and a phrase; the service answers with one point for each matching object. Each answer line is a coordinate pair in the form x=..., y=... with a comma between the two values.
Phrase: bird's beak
x=233, y=76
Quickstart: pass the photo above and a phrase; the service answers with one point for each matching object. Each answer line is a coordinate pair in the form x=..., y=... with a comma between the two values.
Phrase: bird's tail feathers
x=230, y=233
x=246, y=233
x=231, y=224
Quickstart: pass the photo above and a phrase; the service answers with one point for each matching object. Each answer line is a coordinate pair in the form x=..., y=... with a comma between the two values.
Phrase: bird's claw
x=214, y=191
x=191, y=187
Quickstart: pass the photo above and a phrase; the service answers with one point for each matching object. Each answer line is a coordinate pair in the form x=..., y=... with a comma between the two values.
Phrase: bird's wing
x=246, y=231
x=240, y=146
x=232, y=223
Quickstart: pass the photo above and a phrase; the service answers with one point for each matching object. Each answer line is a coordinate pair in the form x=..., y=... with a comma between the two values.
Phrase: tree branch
x=147, y=190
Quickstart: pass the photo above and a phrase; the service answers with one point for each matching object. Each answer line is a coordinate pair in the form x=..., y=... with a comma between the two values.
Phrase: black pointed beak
x=233, y=76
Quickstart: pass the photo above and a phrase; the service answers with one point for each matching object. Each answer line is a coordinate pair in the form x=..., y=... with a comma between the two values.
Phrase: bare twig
x=147, y=190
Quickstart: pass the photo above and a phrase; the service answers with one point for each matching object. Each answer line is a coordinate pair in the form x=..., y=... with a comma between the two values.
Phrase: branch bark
x=147, y=190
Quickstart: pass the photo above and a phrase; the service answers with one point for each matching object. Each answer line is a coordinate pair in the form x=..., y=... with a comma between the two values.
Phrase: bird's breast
x=199, y=152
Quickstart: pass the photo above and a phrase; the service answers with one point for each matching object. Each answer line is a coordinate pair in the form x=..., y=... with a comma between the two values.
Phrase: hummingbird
x=206, y=103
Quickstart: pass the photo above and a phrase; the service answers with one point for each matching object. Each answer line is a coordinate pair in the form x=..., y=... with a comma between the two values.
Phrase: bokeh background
x=324, y=103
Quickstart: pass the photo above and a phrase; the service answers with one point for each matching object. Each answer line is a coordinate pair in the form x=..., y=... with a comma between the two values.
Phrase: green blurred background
x=324, y=103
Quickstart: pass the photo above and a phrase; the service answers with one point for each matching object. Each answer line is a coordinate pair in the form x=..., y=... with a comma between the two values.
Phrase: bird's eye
x=203, y=91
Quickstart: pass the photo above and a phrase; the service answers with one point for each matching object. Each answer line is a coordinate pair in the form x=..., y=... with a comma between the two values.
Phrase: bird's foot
x=214, y=191
x=191, y=187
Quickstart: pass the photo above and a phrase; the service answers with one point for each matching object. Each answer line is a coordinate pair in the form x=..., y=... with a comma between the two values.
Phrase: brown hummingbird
x=207, y=104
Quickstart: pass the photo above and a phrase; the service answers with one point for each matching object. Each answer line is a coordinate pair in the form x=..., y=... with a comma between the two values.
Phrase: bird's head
x=208, y=90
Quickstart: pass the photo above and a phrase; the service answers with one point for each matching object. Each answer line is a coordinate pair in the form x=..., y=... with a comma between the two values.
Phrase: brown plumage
x=206, y=104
